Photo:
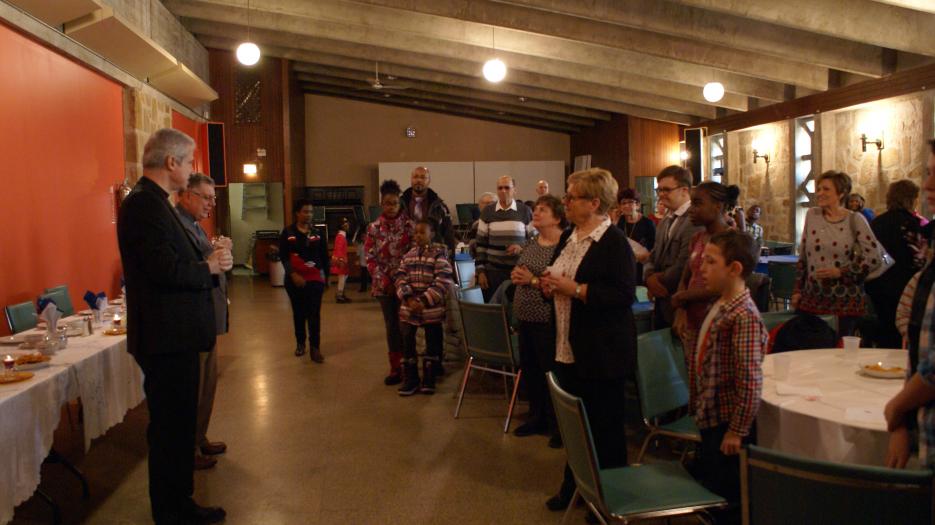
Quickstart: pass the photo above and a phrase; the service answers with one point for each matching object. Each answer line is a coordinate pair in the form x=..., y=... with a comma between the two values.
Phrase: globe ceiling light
x=248, y=53
x=713, y=91
x=494, y=70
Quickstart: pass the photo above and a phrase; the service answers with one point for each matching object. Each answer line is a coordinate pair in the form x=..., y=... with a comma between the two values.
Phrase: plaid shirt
x=424, y=274
x=925, y=415
x=724, y=368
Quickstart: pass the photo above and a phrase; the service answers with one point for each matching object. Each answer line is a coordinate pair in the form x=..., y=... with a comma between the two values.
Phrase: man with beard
x=421, y=202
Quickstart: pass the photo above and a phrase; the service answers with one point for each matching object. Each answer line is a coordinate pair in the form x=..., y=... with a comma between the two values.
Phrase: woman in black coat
x=592, y=279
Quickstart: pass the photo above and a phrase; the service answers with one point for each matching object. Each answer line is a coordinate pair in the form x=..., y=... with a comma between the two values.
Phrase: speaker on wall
x=217, y=166
x=694, y=146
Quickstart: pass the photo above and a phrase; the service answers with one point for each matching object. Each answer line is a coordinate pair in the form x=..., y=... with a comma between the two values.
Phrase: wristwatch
x=534, y=282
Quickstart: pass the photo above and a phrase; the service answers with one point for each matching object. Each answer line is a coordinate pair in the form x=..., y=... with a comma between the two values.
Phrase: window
x=718, y=154
x=805, y=174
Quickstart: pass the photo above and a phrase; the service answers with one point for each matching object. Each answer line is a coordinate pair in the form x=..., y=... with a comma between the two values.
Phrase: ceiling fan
x=376, y=84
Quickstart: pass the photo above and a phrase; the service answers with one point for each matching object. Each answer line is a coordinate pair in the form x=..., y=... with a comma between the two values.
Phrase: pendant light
x=494, y=69
x=713, y=91
x=248, y=53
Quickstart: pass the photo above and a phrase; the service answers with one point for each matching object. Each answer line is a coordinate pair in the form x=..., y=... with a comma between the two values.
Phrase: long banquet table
x=96, y=368
x=831, y=412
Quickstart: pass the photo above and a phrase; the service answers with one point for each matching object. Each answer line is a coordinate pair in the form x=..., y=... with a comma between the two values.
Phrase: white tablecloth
x=98, y=369
x=844, y=423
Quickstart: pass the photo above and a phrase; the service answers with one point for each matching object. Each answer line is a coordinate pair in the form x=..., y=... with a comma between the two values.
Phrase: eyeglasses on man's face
x=209, y=198
x=663, y=190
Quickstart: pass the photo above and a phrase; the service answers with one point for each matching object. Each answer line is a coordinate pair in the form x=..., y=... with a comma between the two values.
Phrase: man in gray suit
x=195, y=203
x=673, y=242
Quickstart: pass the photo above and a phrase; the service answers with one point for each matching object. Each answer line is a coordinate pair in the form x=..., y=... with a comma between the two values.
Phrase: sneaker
x=409, y=388
x=299, y=350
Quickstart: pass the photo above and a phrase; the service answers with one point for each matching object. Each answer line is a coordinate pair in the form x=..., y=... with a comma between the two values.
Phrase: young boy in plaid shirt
x=422, y=281
x=724, y=368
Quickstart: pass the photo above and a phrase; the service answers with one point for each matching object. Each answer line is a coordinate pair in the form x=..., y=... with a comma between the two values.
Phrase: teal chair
x=490, y=347
x=59, y=295
x=642, y=294
x=471, y=295
x=661, y=381
x=782, y=282
x=657, y=490
x=21, y=317
x=778, y=488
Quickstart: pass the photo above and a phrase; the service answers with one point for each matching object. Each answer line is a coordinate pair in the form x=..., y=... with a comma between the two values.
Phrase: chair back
x=465, y=213
x=464, y=269
x=778, y=488
x=774, y=319
x=759, y=285
x=659, y=377
x=471, y=295
x=374, y=211
x=486, y=333
x=642, y=294
x=780, y=248
x=21, y=317
x=59, y=295
x=782, y=279
x=579, y=444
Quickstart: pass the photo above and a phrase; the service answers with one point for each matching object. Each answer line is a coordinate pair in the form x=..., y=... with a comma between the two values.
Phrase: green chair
x=642, y=294
x=465, y=213
x=59, y=295
x=658, y=490
x=21, y=317
x=471, y=295
x=778, y=488
x=782, y=282
x=660, y=378
x=490, y=347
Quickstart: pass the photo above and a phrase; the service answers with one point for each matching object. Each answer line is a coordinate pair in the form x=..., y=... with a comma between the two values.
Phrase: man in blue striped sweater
x=503, y=228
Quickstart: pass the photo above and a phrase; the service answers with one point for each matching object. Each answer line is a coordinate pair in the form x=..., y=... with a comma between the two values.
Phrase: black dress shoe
x=529, y=428
x=196, y=514
x=213, y=448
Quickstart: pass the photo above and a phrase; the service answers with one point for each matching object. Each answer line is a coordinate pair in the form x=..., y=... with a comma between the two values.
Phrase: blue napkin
x=42, y=302
x=91, y=299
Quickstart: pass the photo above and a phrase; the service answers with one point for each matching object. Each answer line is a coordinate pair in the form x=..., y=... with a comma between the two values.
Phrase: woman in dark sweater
x=636, y=226
x=592, y=280
x=901, y=234
x=304, y=253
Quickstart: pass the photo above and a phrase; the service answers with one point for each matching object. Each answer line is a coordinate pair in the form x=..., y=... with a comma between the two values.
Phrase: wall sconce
x=759, y=145
x=864, y=141
x=249, y=170
x=757, y=155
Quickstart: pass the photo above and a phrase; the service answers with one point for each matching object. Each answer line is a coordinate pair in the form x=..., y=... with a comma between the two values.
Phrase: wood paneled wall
x=608, y=144
x=653, y=146
x=243, y=140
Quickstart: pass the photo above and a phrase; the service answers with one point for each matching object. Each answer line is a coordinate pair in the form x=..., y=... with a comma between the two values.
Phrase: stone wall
x=770, y=185
x=145, y=110
x=905, y=124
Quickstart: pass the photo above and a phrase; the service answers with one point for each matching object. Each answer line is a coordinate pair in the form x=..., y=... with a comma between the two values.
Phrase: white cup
x=781, y=365
x=851, y=346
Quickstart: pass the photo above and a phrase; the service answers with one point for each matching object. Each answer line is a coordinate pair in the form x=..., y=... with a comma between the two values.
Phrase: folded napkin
x=50, y=314
x=93, y=300
x=785, y=389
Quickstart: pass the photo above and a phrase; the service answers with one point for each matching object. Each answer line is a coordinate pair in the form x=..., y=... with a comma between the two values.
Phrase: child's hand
x=414, y=305
x=730, y=446
x=899, y=448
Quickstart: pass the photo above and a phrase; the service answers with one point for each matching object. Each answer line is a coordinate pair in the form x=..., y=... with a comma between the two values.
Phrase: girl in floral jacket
x=388, y=239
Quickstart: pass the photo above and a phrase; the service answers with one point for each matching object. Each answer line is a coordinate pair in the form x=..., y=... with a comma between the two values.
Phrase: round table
x=841, y=418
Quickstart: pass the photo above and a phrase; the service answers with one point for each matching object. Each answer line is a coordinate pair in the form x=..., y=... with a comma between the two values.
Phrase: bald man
x=502, y=230
x=542, y=188
x=421, y=202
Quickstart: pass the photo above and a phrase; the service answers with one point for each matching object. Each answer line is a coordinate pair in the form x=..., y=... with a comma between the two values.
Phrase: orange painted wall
x=197, y=131
x=61, y=141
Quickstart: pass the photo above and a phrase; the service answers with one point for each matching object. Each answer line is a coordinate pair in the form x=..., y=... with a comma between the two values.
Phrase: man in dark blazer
x=673, y=242
x=170, y=319
x=195, y=203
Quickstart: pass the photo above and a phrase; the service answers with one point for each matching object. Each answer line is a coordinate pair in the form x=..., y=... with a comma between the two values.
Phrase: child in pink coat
x=339, y=265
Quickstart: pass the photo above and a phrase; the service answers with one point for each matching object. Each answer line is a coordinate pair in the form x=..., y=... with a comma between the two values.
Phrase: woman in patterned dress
x=838, y=251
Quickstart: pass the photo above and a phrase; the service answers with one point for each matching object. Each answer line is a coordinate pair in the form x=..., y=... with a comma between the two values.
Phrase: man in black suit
x=170, y=319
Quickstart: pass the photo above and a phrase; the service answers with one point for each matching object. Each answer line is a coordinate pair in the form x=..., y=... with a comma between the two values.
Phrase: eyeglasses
x=664, y=191
x=505, y=188
x=209, y=198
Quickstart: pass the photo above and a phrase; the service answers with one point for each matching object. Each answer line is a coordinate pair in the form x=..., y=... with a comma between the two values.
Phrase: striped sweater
x=424, y=274
x=497, y=229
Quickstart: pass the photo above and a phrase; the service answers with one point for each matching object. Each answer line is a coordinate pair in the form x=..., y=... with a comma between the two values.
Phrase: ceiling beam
x=450, y=109
x=305, y=48
x=424, y=91
x=392, y=30
x=860, y=20
x=516, y=23
x=723, y=29
x=926, y=6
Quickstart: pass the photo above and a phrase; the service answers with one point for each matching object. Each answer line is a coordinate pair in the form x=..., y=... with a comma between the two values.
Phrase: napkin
x=51, y=315
x=92, y=299
x=785, y=389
